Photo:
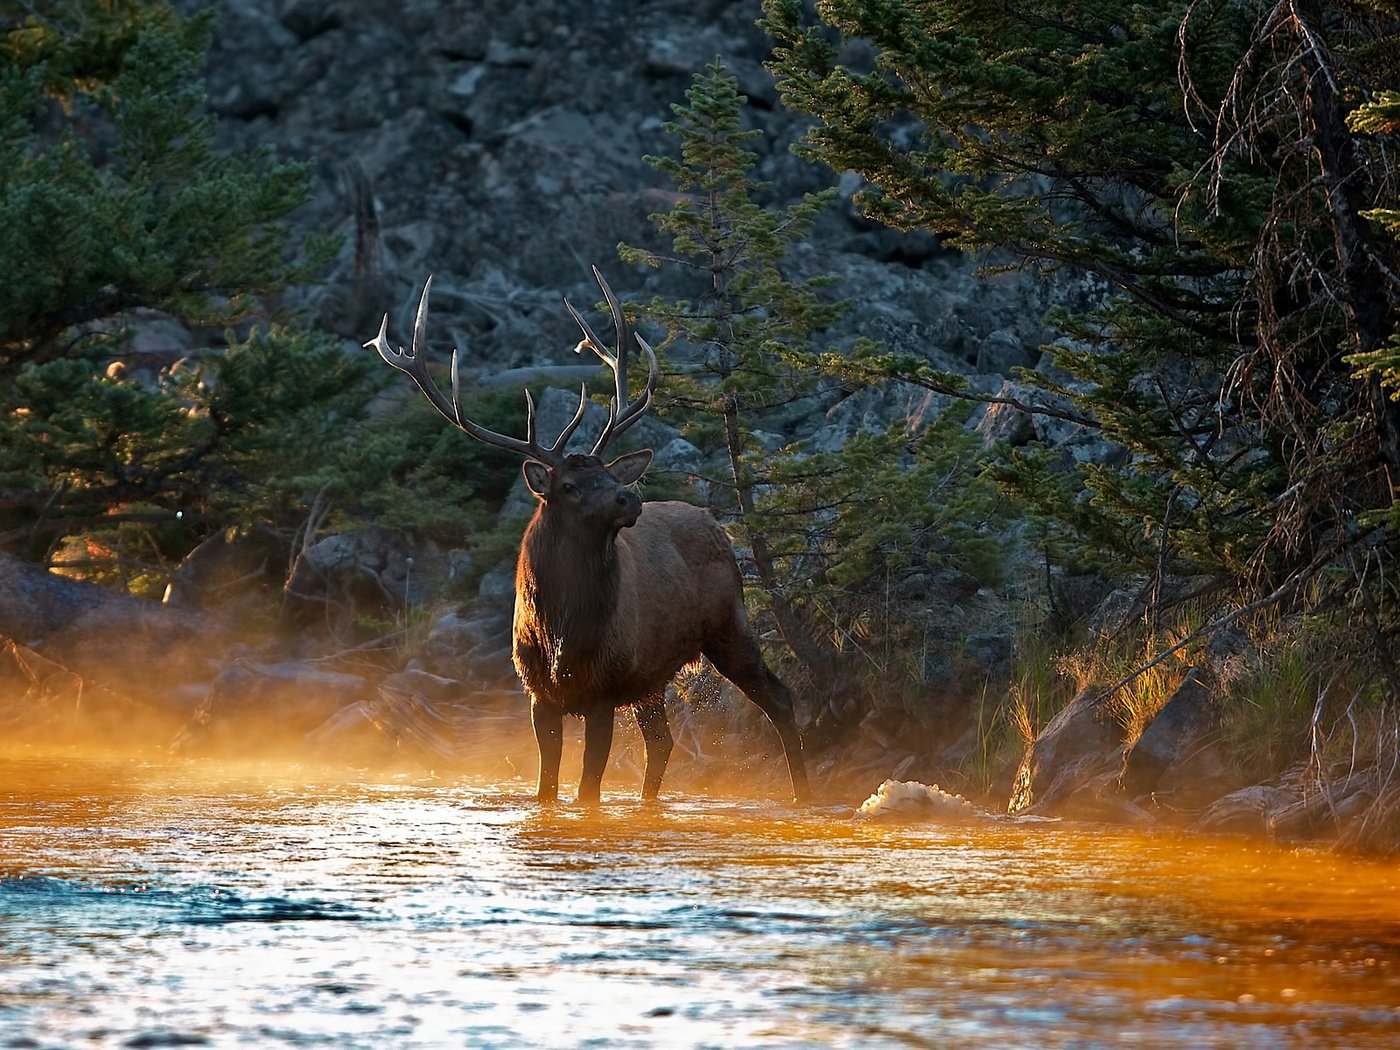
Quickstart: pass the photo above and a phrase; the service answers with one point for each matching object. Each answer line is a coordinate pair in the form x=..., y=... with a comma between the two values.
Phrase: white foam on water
x=910, y=800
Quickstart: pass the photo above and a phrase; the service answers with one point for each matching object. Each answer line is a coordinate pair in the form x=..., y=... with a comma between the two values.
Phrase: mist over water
x=163, y=904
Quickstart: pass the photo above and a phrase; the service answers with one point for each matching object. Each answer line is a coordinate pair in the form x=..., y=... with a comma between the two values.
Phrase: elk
x=613, y=596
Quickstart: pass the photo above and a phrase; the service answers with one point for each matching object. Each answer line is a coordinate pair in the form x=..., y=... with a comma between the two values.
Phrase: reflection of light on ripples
x=139, y=907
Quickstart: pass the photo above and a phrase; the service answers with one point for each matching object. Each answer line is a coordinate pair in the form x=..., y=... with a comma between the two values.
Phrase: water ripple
x=175, y=911
x=27, y=895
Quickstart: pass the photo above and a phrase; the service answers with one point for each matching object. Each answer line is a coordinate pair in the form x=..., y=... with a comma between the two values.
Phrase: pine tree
x=745, y=315
x=115, y=206
x=826, y=532
x=1193, y=160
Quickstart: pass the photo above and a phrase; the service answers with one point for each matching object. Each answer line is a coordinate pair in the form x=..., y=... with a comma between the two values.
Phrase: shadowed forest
x=1042, y=367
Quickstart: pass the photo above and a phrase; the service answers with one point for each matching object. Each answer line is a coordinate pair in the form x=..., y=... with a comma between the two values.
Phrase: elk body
x=613, y=596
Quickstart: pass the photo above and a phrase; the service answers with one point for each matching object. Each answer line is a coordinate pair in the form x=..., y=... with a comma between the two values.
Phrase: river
x=151, y=904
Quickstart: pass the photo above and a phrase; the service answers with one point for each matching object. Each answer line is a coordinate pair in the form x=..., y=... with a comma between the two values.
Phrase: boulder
x=254, y=707
x=1001, y=352
x=107, y=638
x=369, y=572
x=1073, y=765
x=473, y=648
x=1177, y=758
x=1004, y=423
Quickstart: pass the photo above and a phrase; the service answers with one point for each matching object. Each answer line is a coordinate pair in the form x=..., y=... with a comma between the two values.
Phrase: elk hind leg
x=741, y=661
x=597, y=742
x=656, y=735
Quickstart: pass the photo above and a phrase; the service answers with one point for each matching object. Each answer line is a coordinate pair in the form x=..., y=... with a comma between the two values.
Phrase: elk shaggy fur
x=614, y=596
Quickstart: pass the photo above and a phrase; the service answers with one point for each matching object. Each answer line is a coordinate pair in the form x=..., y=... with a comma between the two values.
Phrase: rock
x=106, y=638
x=497, y=587
x=873, y=410
x=370, y=572
x=1001, y=352
x=992, y=650
x=471, y=649
x=236, y=566
x=309, y=18
x=1006, y=424
x=1073, y=764
x=678, y=456
x=1119, y=608
x=1231, y=656
x=1177, y=758
x=266, y=706
x=1172, y=735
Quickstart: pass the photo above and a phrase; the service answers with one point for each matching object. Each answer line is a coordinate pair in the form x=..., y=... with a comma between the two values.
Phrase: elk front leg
x=656, y=735
x=597, y=742
x=548, y=721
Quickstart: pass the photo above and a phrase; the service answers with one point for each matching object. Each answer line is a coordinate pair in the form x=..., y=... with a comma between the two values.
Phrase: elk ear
x=630, y=468
x=537, y=478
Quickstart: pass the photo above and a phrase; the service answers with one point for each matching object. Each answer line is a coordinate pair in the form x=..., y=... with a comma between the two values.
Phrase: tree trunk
x=818, y=659
x=1364, y=296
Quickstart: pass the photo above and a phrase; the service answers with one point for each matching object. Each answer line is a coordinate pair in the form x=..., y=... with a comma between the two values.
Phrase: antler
x=415, y=364
x=621, y=413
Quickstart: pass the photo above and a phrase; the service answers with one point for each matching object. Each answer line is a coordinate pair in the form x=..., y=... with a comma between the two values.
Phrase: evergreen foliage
x=117, y=211
x=1192, y=160
x=1380, y=117
x=830, y=534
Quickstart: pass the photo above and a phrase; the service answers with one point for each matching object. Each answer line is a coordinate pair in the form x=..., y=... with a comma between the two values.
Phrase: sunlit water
x=145, y=905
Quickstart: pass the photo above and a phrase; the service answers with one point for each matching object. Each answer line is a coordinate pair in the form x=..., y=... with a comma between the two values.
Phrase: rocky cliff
x=499, y=146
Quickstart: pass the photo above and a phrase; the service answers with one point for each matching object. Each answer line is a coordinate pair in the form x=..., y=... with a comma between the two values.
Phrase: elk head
x=579, y=486
x=590, y=494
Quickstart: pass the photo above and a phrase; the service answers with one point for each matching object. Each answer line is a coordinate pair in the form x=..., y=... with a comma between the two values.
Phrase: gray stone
x=1178, y=755
x=679, y=456
x=257, y=707
x=1001, y=352
x=1070, y=767
x=1006, y=423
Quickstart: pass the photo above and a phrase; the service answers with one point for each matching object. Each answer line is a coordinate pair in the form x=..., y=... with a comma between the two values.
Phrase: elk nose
x=629, y=506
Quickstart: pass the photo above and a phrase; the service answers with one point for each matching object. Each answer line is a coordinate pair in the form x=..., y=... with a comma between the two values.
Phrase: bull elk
x=613, y=596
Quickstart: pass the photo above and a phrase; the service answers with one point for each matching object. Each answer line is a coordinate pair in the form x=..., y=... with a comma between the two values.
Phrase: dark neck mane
x=571, y=586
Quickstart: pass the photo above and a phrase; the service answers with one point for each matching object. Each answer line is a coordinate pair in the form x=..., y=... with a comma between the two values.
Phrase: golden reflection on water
x=264, y=905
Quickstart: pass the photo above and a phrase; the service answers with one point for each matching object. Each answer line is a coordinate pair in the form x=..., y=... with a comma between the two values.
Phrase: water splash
x=910, y=800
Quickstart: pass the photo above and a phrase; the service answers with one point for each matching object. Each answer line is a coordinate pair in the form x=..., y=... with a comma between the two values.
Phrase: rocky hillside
x=502, y=145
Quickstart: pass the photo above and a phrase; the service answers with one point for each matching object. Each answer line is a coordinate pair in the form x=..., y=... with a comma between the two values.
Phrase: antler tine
x=622, y=412
x=589, y=339
x=638, y=408
x=414, y=363
x=562, y=440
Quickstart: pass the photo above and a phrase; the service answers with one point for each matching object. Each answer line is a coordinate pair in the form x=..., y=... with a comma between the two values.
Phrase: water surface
x=167, y=905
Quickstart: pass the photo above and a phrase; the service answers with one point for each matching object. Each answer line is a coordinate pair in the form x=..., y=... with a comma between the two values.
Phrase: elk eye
x=568, y=488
